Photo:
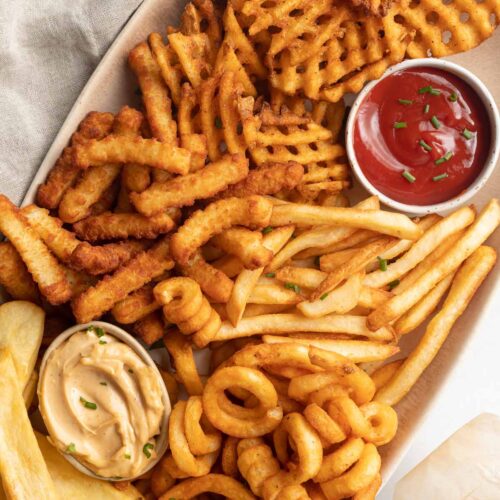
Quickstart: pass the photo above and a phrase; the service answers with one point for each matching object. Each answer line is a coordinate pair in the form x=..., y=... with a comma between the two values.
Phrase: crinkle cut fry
x=185, y=190
x=115, y=287
x=269, y=178
x=63, y=175
x=43, y=266
x=116, y=149
x=109, y=226
x=154, y=94
x=150, y=328
x=14, y=275
x=135, y=306
x=253, y=212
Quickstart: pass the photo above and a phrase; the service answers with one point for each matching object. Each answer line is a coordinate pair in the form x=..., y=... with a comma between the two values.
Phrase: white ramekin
x=491, y=160
x=115, y=331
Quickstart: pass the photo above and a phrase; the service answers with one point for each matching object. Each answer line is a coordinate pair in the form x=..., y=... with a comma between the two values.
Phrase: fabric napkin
x=48, y=50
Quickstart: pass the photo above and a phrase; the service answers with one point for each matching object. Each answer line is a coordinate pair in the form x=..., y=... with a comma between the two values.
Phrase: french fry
x=119, y=149
x=465, y=284
x=247, y=279
x=135, y=306
x=373, y=297
x=42, y=265
x=427, y=243
x=273, y=294
x=111, y=226
x=382, y=375
x=253, y=212
x=105, y=259
x=14, y=275
x=476, y=234
x=213, y=282
x=424, y=308
x=115, y=287
x=252, y=310
x=318, y=237
x=79, y=281
x=185, y=190
x=150, y=328
x=229, y=265
x=357, y=351
x=154, y=94
x=60, y=241
x=281, y=324
x=341, y=300
x=330, y=261
x=135, y=178
x=107, y=200
x=247, y=246
x=301, y=276
x=389, y=223
x=22, y=467
x=357, y=263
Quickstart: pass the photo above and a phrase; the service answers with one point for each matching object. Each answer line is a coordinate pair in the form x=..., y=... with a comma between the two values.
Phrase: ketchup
x=421, y=136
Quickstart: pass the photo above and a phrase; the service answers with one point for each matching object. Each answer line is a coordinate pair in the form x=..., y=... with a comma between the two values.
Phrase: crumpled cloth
x=48, y=50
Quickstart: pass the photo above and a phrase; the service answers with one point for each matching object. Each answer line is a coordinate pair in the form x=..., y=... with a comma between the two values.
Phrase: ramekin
x=126, y=338
x=492, y=112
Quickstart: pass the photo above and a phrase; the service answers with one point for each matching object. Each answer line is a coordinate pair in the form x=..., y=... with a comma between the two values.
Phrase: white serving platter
x=112, y=85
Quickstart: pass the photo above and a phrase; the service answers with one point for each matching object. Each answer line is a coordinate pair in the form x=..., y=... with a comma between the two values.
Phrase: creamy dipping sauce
x=102, y=403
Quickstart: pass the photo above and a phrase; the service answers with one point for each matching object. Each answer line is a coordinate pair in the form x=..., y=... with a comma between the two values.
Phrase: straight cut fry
x=483, y=226
x=14, y=275
x=273, y=294
x=464, y=286
x=390, y=223
x=115, y=287
x=43, y=266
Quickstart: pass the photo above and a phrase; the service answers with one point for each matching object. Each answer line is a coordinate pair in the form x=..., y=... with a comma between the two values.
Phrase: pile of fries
x=216, y=218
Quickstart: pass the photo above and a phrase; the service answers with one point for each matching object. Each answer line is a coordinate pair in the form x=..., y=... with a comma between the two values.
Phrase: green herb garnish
x=71, y=448
x=267, y=229
x=382, y=264
x=409, y=177
x=440, y=177
x=467, y=134
x=427, y=107
x=128, y=456
x=425, y=90
x=102, y=342
x=400, y=124
x=435, y=122
x=270, y=275
x=89, y=405
x=146, y=448
x=434, y=92
x=103, y=383
x=444, y=158
x=405, y=102
x=393, y=284
x=324, y=296
x=424, y=145
x=293, y=286
x=453, y=97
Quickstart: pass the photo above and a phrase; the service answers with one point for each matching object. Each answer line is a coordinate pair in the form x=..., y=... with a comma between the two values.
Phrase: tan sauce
x=102, y=403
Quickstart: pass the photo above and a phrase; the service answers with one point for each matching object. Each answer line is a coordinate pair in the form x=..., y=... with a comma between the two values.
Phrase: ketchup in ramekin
x=421, y=136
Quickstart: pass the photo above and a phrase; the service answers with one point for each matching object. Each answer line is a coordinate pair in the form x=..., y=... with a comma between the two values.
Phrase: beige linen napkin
x=48, y=50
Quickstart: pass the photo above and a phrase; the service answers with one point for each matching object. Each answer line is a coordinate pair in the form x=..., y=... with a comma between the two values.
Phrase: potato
x=21, y=331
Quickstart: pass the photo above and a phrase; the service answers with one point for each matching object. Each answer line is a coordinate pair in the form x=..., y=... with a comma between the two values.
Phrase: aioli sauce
x=421, y=136
x=102, y=403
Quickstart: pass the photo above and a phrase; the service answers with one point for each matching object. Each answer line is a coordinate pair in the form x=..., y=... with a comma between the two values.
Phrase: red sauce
x=402, y=162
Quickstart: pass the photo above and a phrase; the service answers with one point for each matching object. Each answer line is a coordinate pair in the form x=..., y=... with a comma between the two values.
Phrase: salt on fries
x=215, y=217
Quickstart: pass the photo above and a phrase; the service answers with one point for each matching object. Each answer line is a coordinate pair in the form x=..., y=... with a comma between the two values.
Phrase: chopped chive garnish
x=409, y=177
x=267, y=229
x=467, y=134
x=270, y=275
x=444, y=158
x=293, y=286
x=71, y=448
x=424, y=145
x=382, y=264
x=157, y=345
x=103, y=383
x=128, y=456
x=218, y=122
x=434, y=92
x=146, y=448
x=400, y=124
x=435, y=122
x=427, y=107
x=89, y=405
x=425, y=90
x=405, y=102
x=393, y=284
x=99, y=331
x=324, y=296
x=440, y=177
x=453, y=97
x=102, y=342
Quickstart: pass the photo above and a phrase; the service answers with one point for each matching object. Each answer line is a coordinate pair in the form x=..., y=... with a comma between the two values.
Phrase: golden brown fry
x=270, y=178
x=150, y=328
x=244, y=244
x=14, y=275
x=115, y=287
x=185, y=190
x=110, y=226
x=60, y=241
x=476, y=234
x=136, y=306
x=383, y=374
x=373, y=297
x=106, y=201
x=273, y=294
x=42, y=265
x=135, y=178
x=107, y=258
x=154, y=94
x=253, y=212
x=64, y=174
x=79, y=281
x=119, y=149
x=213, y=282
x=464, y=286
